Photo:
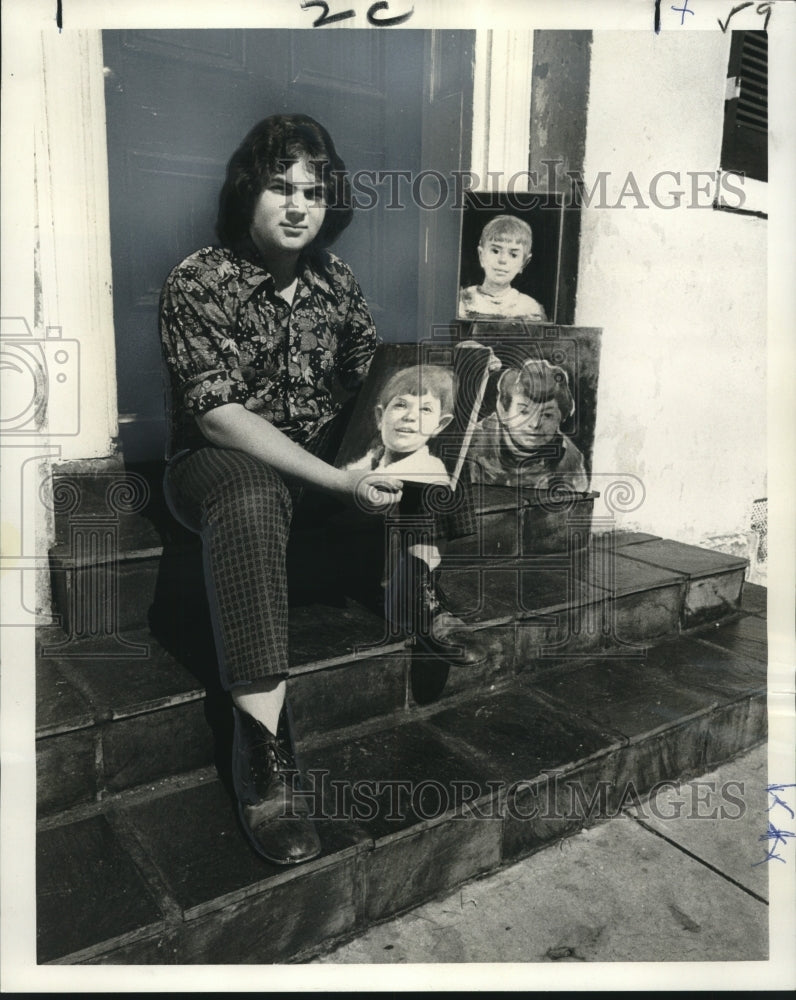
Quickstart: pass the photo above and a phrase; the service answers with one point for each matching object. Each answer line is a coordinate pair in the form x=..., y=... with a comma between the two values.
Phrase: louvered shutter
x=745, y=141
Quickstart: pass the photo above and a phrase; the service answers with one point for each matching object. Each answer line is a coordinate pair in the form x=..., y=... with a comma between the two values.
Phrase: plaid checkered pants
x=243, y=509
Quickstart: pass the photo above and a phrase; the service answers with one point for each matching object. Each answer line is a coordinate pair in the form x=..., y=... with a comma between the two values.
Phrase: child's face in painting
x=502, y=261
x=531, y=424
x=408, y=421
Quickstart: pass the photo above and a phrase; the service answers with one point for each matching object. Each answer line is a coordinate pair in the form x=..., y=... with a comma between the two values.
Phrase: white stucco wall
x=680, y=293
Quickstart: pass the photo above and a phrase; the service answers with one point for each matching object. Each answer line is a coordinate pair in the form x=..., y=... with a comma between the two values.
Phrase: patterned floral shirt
x=229, y=337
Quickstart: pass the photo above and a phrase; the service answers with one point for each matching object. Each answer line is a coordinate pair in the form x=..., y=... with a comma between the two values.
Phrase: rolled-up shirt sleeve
x=197, y=329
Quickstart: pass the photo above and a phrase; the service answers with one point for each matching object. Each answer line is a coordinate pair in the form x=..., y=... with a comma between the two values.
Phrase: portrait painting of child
x=517, y=251
x=416, y=413
x=504, y=250
x=521, y=442
x=414, y=406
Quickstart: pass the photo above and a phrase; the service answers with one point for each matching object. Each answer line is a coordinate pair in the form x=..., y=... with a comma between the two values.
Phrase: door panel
x=446, y=147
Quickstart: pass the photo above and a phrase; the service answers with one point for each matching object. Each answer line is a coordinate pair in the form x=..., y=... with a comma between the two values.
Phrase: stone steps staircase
x=623, y=662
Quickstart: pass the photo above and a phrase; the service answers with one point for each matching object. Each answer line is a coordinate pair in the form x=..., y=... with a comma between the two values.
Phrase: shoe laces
x=430, y=600
x=278, y=756
x=280, y=759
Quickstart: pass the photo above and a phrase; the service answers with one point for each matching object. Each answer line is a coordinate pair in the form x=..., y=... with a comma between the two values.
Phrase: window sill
x=746, y=196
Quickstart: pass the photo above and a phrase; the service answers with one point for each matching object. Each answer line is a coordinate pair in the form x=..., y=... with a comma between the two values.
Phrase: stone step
x=132, y=499
x=133, y=503
x=120, y=560
x=111, y=530
x=98, y=590
x=715, y=580
x=126, y=710
x=407, y=810
x=141, y=705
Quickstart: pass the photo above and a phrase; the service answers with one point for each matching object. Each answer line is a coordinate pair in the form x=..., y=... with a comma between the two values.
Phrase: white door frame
x=502, y=108
x=74, y=299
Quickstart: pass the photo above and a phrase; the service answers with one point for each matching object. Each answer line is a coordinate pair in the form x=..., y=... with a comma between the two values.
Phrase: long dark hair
x=270, y=148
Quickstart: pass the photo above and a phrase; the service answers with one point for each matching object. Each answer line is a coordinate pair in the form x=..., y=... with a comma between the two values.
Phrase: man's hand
x=370, y=492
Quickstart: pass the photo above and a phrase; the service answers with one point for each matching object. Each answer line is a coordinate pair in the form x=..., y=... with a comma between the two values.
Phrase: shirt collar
x=309, y=274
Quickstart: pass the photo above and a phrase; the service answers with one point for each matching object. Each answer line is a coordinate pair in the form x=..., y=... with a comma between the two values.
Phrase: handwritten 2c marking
x=374, y=17
x=385, y=22
x=325, y=17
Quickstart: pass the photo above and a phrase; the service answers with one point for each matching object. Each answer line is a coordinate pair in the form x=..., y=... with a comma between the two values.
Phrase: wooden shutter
x=745, y=141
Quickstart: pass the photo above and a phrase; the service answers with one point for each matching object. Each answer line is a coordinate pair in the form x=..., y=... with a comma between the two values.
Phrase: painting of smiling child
x=414, y=406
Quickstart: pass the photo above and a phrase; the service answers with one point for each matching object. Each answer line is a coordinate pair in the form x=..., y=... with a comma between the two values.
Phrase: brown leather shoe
x=447, y=639
x=265, y=777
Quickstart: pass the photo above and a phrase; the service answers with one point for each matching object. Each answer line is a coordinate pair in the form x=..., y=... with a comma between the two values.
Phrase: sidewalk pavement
x=669, y=880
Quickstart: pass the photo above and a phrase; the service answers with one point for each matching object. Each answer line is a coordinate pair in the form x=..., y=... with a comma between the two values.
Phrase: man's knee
x=251, y=492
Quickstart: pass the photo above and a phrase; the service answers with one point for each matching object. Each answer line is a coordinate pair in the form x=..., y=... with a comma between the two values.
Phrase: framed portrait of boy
x=415, y=415
x=536, y=421
x=518, y=257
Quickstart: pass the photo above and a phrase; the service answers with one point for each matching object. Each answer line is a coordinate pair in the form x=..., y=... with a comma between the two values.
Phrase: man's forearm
x=233, y=426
